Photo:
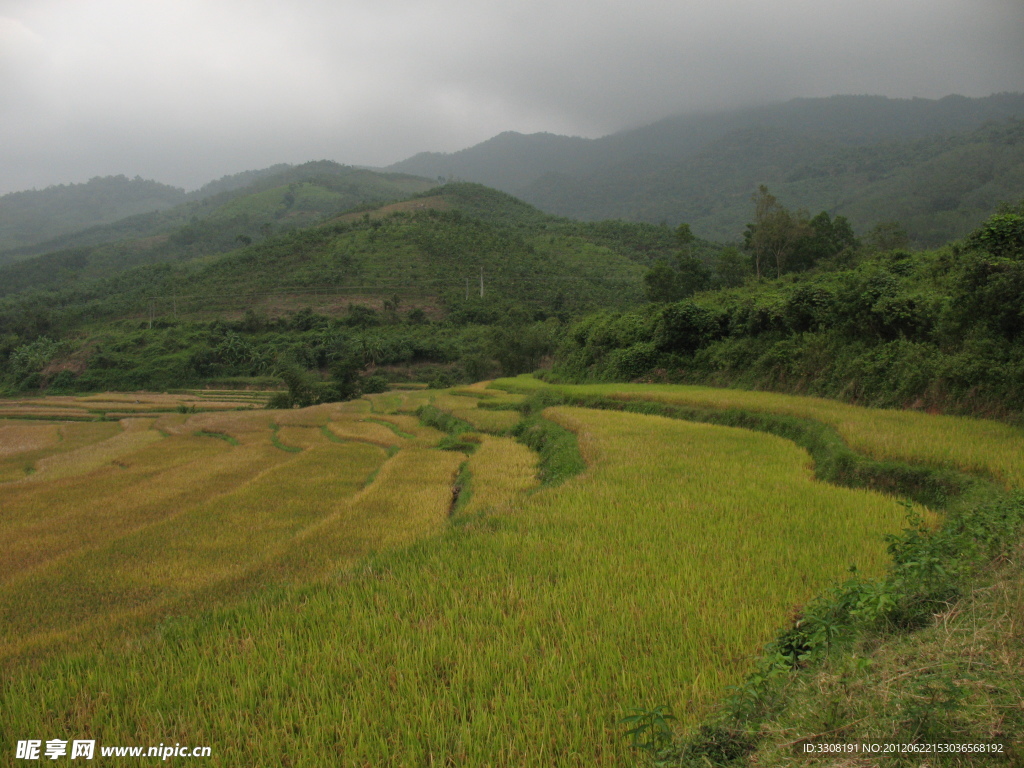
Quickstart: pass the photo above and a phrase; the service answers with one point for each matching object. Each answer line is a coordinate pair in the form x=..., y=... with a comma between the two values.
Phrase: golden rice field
x=108, y=405
x=290, y=587
x=122, y=520
x=972, y=445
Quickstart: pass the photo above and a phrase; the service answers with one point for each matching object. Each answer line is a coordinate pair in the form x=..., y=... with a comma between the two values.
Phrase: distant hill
x=434, y=248
x=859, y=156
x=339, y=187
x=938, y=187
x=292, y=197
x=35, y=216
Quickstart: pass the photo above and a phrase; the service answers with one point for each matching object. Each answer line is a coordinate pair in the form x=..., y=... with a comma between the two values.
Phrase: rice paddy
x=979, y=446
x=327, y=584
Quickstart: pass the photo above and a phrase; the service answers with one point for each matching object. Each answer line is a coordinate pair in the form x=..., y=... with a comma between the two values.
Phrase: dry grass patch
x=409, y=498
x=462, y=404
x=301, y=437
x=135, y=434
x=245, y=426
x=487, y=421
x=22, y=438
x=184, y=521
x=24, y=443
x=399, y=401
x=42, y=412
x=45, y=521
x=960, y=680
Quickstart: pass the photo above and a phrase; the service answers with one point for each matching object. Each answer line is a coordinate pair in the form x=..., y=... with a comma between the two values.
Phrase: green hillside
x=939, y=166
x=416, y=281
x=941, y=329
x=285, y=200
x=37, y=216
x=938, y=188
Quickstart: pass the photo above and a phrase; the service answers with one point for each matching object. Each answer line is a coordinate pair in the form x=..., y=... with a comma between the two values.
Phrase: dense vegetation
x=460, y=276
x=933, y=329
x=938, y=166
x=215, y=218
x=31, y=217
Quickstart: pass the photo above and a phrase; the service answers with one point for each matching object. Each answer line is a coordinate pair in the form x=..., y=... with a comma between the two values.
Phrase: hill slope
x=288, y=199
x=35, y=216
x=419, y=281
x=939, y=187
x=282, y=196
x=683, y=168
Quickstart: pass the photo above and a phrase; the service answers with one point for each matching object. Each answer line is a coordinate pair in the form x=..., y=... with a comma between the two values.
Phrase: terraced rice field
x=109, y=405
x=107, y=521
x=973, y=445
x=326, y=584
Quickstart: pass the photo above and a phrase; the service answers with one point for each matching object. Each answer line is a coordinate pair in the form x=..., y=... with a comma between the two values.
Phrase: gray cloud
x=187, y=90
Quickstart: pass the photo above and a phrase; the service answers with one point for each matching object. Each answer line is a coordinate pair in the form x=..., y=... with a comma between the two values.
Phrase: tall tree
x=685, y=238
x=775, y=232
x=824, y=239
x=660, y=283
x=731, y=268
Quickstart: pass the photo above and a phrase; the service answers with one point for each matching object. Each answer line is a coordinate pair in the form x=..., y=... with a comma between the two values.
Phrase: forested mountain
x=933, y=162
x=288, y=198
x=428, y=245
x=938, y=187
x=412, y=281
x=244, y=204
x=35, y=216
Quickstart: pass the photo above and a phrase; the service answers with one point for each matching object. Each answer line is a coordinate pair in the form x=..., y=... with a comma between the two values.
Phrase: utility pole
x=467, y=289
x=481, y=282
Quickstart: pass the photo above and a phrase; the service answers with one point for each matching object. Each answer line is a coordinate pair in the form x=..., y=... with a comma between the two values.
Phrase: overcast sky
x=185, y=91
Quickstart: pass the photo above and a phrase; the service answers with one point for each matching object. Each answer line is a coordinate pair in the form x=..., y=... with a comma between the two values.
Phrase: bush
x=373, y=384
x=684, y=328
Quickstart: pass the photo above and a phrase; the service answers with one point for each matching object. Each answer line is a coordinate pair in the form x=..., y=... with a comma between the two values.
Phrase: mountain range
x=937, y=166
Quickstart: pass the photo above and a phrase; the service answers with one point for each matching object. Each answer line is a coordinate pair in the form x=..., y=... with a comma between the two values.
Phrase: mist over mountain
x=34, y=216
x=851, y=155
x=213, y=217
x=937, y=166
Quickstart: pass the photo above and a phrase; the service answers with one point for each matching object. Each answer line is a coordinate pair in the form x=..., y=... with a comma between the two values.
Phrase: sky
x=186, y=91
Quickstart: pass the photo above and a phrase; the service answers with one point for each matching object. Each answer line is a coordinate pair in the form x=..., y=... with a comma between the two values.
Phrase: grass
x=72, y=436
x=504, y=470
x=369, y=431
x=275, y=440
x=134, y=435
x=24, y=438
x=497, y=415
x=114, y=406
x=960, y=680
x=392, y=426
x=219, y=436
